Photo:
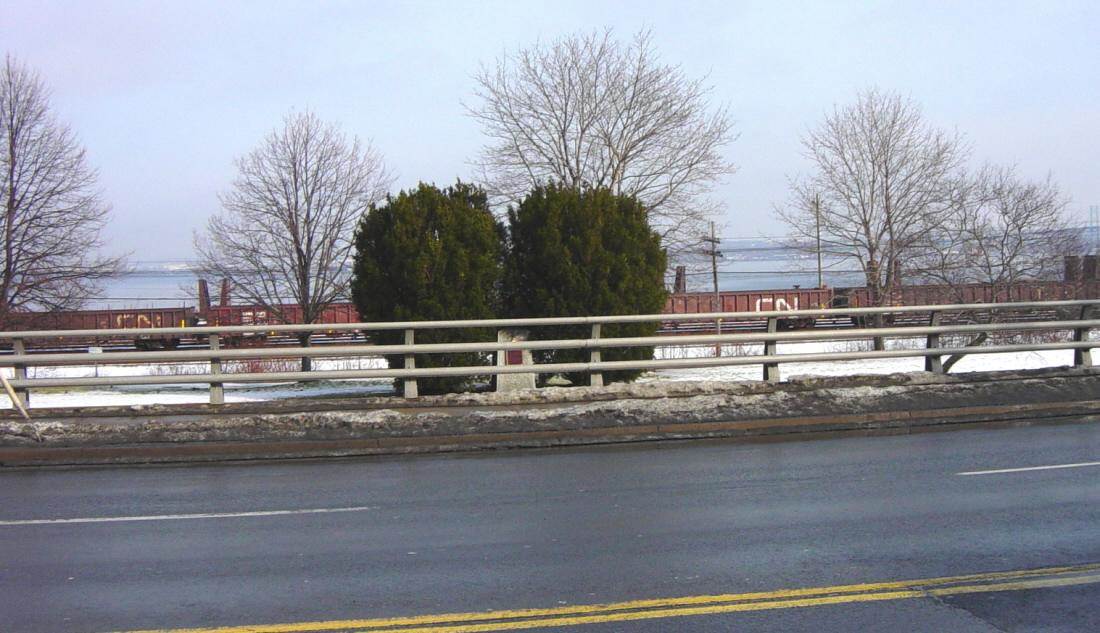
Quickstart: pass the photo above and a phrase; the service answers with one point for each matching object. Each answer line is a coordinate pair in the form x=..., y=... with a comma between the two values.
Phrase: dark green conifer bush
x=583, y=253
x=430, y=254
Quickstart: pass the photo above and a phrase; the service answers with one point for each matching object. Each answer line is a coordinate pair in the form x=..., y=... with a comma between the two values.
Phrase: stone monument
x=514, y=382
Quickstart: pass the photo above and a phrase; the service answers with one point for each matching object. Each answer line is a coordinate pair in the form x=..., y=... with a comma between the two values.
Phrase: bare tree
x=53, y=216
x=285, y=234
x=884, y=180
x=1000, y=230
x=590, y=111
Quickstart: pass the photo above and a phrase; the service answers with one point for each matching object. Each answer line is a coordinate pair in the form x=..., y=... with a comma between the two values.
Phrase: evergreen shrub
x=430, y=254
x=583, y=253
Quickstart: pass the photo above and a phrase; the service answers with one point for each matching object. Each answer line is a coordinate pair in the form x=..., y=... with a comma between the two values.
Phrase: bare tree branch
x=285, y=234
x=885, y=180
x=589, y=111
x=1001, y=230
x=53, y=216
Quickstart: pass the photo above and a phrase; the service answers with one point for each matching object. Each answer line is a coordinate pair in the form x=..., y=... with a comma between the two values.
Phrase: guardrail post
x=718, y=331
x=1082, y=357
x=217, y=391
x=595, y=378
x=20, y=373
x=409, y=383
x=933, y=364
x=771, y=347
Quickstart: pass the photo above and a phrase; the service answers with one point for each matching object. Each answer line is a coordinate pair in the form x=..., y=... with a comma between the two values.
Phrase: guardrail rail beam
x=1050, y=318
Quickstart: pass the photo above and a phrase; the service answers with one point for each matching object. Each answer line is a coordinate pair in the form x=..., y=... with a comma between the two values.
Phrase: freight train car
x=748, y=301
x=1078, y=287
x=135, y=318
x=933, y=294
x=841, y=298
x=286, y=315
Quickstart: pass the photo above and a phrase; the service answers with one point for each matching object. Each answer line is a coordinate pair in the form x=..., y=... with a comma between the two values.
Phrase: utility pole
x=714, y=253
x=817, y=217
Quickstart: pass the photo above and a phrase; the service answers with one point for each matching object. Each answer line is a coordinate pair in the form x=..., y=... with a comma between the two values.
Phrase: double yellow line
x=515, y=620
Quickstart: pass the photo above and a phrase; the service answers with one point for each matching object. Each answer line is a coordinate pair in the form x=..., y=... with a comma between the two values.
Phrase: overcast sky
x=164, y=95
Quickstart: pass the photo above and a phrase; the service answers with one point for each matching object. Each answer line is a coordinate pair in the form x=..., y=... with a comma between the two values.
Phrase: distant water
x=766, y=264
x=744, y=265
x=148, y=288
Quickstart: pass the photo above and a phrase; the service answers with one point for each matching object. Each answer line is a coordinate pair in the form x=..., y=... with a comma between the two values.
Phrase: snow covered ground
x=971, y=363
x=196, y=393
x=177, y=394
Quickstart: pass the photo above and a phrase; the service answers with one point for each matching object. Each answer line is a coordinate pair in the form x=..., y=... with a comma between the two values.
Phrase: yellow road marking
x=476, y=622
x=733, y=608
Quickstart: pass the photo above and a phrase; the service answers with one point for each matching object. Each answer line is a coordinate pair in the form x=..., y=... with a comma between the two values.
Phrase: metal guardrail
x=933, y=352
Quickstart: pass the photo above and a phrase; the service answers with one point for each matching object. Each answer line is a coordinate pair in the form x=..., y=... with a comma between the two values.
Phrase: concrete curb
x=823, y=408
x=784, y=429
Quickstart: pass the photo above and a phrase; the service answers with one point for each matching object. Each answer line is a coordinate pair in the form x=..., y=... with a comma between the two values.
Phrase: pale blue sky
x=165, y=94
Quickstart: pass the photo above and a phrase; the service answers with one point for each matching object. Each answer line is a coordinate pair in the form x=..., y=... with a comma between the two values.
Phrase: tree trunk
x=974, y=342
x=304, y=341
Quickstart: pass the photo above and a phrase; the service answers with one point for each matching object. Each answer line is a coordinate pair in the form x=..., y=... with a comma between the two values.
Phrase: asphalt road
x=347, y=543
